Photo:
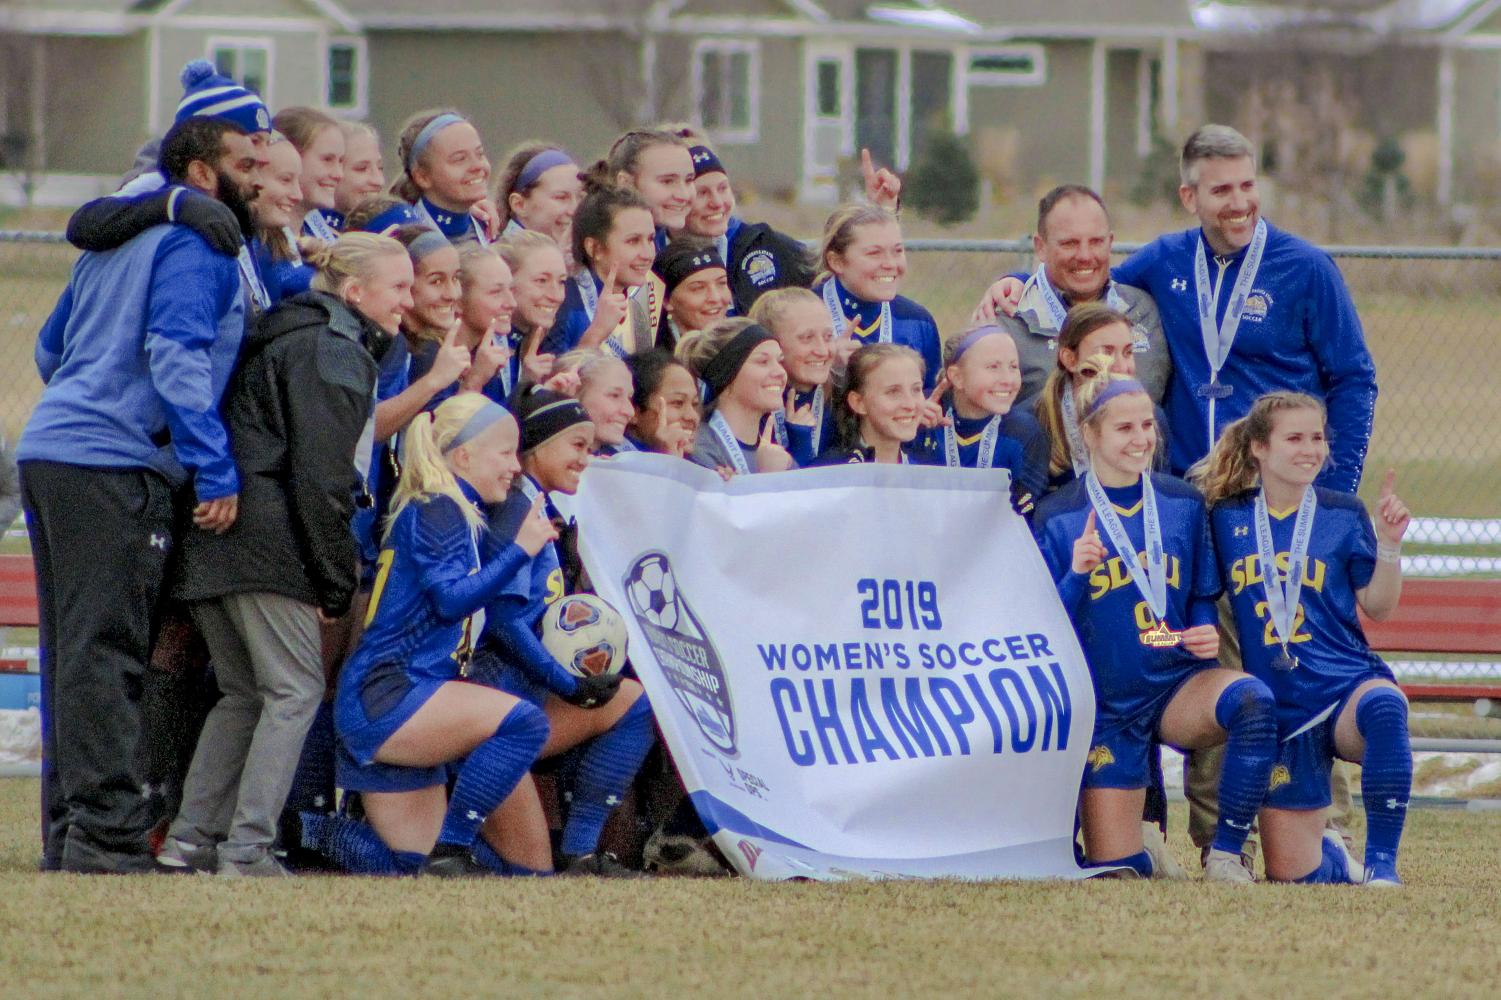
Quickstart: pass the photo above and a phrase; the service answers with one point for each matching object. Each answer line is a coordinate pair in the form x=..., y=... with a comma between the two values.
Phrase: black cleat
x=452, y=861
x=600, y=864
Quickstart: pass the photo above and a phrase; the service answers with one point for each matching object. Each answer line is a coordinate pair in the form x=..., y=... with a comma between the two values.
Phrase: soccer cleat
x=193, y=857
x=453, y=861
x=263, y=866
x=1382, y=875
x=600, y=864
x=668, y=854
x=1334, y=844
x=1222, y=866
x=1164, y=865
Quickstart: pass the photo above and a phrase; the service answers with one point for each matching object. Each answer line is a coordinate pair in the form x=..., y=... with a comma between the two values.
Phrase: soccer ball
x=585, y=635
x=653, y=592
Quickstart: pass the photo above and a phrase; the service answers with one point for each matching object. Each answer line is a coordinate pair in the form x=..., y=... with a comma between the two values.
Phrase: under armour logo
x=1238, y=826
x=1395, y=804
x=1179, y=284
x=1241, y=532
x=158, y=541
x=612, y=800
x=472, y=815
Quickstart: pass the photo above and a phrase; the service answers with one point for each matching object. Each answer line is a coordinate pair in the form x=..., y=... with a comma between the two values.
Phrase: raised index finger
x=1389, y=484
x=939, y=388
x=610, y=279
x=867, y=167
x=1089, y=528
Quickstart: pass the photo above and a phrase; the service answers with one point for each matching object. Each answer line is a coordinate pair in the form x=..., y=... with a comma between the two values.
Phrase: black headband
x=724, y=366
x=546, y=414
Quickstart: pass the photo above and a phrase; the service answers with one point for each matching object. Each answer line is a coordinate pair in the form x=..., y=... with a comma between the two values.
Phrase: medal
x=1218, y=339
x=1150, y=577
x=259, y=297
x=1282, y=593
x=836, y=313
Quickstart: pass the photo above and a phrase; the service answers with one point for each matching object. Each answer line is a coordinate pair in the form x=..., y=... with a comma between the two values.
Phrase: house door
x=876, y=104
x=828, y=121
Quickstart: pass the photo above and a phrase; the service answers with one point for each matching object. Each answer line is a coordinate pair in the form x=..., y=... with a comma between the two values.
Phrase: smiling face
x=540, y=282
x=875, y=262
x=488, y=461
x=549, y=205
x=889, y=402
x=664, y=176
x=557, y=464
x=713, y=204
x=384, y=295
x=280, y=200
x=1074, y=246
x=987, y=377
x=364, y=172
x=436, y=294
x=806, y=333
x=1122, y=439
x=489, y=300
x=630, y=247
x=453, y=171
x=673, y=406
x=323, y=168
x=702, y=298
x=1226, y=200
x=760, y=383
x=1115, y=341
x=607, y=399
x=1295, y=450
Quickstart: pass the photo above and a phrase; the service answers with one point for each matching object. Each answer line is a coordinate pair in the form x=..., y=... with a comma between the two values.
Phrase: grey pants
x=267, y=661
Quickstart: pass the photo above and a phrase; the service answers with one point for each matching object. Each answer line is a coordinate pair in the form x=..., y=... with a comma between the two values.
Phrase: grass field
x=74, y=936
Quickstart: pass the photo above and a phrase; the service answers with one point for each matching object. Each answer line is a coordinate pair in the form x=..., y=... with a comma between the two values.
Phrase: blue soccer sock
x=1385, y=775
x=491, y=859
x=313, y=784
x=605, y=771
x=355, y=846
x=1333, y=869
x=491, y=772
x=1248, y=712
x=1140, y=862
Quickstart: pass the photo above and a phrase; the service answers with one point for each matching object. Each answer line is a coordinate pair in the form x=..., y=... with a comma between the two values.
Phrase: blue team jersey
x=406, y=638
x=806, y=443
x=1327, y=639
x=912, y=325
x=572, y=319
x=540, y=581
x=426, y=353
x=1299, y=332
x=1107, y=609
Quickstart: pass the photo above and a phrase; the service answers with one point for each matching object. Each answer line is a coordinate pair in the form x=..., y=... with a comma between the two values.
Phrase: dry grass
x=71, y=936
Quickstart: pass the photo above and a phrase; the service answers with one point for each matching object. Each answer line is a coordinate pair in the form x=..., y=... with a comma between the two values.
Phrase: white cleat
x=1222, y=866
x=1164, y=865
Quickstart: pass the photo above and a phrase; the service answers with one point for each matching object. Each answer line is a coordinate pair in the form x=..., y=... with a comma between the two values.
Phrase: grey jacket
x=1037, y=341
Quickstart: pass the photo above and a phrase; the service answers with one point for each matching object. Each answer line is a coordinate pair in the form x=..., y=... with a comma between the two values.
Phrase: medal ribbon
x=726, y=437
x=1056, y=310
x=836, y=313
x=318, y=227
x=1282, y=593
x=1151, y=578
x=988, y=438
x=1218, y=339
x=252, y=278
x=780, y=418
x=1077, y=453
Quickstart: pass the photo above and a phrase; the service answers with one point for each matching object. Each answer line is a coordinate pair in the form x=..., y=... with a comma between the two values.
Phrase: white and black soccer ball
x=654, y=593
x=585, y=634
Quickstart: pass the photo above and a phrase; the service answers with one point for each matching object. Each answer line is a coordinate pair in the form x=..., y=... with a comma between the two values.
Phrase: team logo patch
x=1280, y=776
x=689, y=661
x=1139, y=340
x=760, y=268
x=751, y=851
x=1100, y=757
x=1258, y=303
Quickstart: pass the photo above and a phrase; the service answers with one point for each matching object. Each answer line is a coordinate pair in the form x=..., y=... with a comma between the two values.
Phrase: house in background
x=1046, y=90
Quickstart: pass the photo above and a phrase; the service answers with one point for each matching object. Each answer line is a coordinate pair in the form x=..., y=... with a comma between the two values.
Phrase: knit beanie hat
x=209, y=94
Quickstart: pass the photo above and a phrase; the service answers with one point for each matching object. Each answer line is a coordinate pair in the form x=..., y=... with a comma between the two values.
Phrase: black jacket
x=762, y=259
x=295, y=410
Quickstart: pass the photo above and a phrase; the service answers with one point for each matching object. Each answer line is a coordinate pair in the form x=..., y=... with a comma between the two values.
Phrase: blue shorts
x=1305, y=759
x=1119, y=753
x=392, y=697
x=352, y=776
x=490, y=669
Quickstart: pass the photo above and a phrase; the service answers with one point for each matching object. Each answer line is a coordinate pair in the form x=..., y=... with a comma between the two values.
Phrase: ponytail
x=424, y=471
x=1230, y=468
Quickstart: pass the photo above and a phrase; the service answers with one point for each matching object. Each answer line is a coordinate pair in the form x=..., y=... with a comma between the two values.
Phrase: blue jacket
x=136, y=356
x=912, y=325
x=1299, y=332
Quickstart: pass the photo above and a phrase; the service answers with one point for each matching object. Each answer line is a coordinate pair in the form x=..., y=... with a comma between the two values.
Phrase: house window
x=1008, y=66
x=247, y=61
x=727, y=89
x=346, y=75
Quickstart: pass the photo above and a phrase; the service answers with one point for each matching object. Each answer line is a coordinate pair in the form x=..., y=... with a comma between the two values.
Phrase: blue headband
x=1117, y=387
x=392, y=219
x=539, y=165
x=705, y=162
x=484, y=418
x=973, y=337
x=429, y=130
x=429, y=242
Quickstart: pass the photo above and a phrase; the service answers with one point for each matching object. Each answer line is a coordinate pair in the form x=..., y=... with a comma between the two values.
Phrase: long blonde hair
x=352, y=255
x=1230, y=468
x=424, y=471
x=1082, y=320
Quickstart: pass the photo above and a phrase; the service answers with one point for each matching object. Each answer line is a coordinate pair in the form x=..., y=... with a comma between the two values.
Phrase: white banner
x=861, y=671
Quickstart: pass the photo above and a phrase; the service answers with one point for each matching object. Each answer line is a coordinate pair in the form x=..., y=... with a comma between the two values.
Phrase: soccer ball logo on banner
x=689, y=661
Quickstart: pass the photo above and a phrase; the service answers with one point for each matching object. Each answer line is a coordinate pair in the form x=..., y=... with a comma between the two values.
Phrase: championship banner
x=862, y=671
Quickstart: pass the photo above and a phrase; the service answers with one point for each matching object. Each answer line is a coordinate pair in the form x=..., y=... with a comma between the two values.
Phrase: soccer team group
x=289, y=490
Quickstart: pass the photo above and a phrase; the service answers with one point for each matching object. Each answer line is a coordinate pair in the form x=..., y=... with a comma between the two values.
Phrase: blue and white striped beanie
x=208, y=94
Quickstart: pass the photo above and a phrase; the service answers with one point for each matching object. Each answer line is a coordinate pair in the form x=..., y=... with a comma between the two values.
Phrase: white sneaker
x=1222, y=866
x=1164, y=865
x=181, y=854
x=264, y=866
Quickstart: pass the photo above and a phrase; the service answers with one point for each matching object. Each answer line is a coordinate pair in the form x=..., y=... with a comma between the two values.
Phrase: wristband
x=1389, y=552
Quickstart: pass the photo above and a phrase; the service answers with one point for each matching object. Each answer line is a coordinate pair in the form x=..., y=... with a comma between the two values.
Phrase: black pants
x=100, y=539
